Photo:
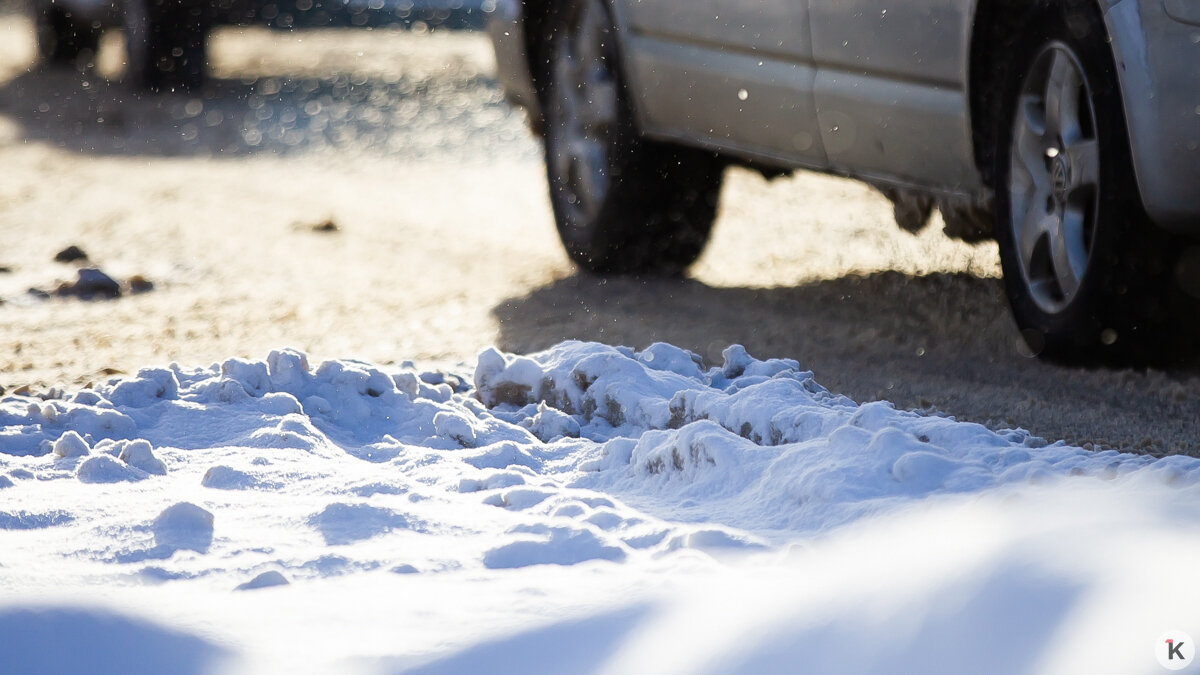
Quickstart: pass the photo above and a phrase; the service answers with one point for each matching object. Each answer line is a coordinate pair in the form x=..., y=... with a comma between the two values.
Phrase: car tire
x=63, y=41
x=1085, y=271
x=623, y=204
x=165, y=44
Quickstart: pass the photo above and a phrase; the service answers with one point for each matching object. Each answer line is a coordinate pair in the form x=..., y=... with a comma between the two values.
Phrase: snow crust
x=652, y=512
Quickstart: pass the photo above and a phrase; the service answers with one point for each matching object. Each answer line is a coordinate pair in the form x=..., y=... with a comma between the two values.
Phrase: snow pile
x=761, y=442
x=529, y=513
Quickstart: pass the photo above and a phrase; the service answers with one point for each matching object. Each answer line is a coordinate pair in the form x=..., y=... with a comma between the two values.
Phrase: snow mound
x=223, y=477
x=105, y=469
x=184, y=526
x=583, y=474
x=348, y=523
x=774, y=447
x=541, y=545
x=267, y=579
x=140, y=455
x=70, y=445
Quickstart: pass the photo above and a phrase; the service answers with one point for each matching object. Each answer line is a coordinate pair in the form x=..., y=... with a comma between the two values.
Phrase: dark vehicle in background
x=165, y=39
x=1068, y=130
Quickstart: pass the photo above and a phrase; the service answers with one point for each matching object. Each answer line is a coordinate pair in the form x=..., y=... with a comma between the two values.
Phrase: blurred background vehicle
x=1068, y=130
x=165, y=39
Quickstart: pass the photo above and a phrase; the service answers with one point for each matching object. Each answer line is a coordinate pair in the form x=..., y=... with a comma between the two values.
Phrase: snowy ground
x=586, y=509
x=655, y=516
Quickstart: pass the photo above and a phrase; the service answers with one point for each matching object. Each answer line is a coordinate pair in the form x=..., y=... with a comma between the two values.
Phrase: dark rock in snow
x=140, y=284
x=70, y=254
x=90, y=284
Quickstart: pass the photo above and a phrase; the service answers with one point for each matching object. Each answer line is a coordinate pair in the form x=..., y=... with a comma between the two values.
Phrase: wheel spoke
x=1034, y=226
x=1068, y=253
x=587, y=34
x=564, y=83
x=599, y=107
x=1033, y=114
x=562, y=164
x=590, y=181
x=1031, y=142
x=1084, y=156
x=1058, y=78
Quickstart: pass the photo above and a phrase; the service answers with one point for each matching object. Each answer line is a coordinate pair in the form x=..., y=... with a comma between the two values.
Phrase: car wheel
x=623, y=204
x=1085, y=272
x=164, y=44
x=61, y=40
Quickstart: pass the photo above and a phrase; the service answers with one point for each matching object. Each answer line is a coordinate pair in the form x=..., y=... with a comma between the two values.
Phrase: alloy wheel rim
x=1054, y=178
x=586, y=91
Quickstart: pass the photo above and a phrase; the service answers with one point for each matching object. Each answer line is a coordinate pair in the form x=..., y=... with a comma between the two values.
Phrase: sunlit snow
x=587, y=509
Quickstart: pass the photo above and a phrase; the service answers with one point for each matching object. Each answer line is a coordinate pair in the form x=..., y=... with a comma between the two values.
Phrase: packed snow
x=586, y=509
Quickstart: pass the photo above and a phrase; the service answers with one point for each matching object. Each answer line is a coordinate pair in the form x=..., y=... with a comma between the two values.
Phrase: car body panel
x=1187, y=11
x=925, y=41
x=765, y=28
x=1158, y=64
x=740, y=79
x=875, y=95
x=891, y=90
x=896, y=131
x=507, y=30
x=757, y=107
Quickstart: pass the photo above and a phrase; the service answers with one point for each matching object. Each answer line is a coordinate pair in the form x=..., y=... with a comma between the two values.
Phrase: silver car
x=1067, y=129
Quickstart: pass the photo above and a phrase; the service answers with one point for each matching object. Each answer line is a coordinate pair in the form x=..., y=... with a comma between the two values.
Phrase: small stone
x=92, y=283
x=70, y=254
x=327, y=226
x=140, y=284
